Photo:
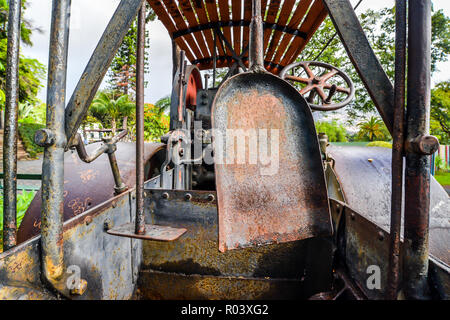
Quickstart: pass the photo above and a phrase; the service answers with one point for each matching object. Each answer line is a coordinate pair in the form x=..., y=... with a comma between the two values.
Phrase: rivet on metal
x=188, y=197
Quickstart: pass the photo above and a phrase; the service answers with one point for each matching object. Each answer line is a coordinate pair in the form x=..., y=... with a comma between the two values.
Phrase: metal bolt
x=165, y=195
x=44, y=138
x=211, y=198
x=380, y=236
x=370, y=160
x=352, y=216
x=108, y=224
x=188, y=197
x=88, y=220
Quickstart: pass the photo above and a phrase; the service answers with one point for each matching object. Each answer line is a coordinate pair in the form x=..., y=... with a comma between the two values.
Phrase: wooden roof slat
x=288, y=27
x=188, y=12
x=236, y=10
x=168, y=23
x=286, y=11
x=200, y=9
x=214, y=17
x=315, y=14
x=224, y=17
x=172, y=8
x=272, y=13
x=247, y=17
x=293, y=23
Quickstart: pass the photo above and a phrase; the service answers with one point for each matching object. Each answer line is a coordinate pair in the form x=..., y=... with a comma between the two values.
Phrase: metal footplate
x=152, y=232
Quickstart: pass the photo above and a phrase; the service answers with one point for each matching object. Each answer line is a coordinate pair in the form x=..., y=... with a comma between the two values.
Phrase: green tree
x=110, y=111
x=379, y=27
x=440, y=111
x=372, y=129
x=334, y=131
x=122, y=72
x=31, y=71
x=156, y=122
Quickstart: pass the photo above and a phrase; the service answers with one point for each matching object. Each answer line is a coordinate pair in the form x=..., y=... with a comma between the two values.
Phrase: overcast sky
x=89, y=19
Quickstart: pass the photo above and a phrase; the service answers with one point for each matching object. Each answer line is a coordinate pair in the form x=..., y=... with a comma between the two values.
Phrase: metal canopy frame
x=286, y=32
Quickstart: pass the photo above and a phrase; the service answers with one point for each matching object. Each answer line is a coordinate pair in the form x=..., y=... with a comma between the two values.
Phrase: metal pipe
x=417, y=173
x=397, y=150
x=98, y=65
x=140, y=221
x=256, y=53
x=53, y=164
x=10, y=136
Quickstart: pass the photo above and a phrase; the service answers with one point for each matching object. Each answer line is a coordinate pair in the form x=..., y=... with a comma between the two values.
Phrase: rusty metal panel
x=365, y=177
x=259, y=201
x=156, y=285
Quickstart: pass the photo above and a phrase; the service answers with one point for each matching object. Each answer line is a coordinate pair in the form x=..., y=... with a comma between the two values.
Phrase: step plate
x=152, y=232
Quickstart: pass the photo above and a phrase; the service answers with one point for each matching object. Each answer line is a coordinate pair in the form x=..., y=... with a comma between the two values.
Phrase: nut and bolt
x=165, y=195
x=211, y=198
x=188, y=197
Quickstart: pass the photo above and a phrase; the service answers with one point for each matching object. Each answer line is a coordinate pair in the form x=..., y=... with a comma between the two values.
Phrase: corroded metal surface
x=107, y=263
x=364, y=244
x=52, y=196
x=171, y=286
x=365, y=176
x=88, y=185
x=195, y=253
x=11, y=116
x=256, y=205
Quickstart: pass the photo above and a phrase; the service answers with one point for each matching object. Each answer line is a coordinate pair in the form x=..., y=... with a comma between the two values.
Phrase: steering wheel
x=340, y=91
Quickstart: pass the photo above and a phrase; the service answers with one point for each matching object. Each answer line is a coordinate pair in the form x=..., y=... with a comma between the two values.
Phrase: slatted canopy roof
x=208, y=28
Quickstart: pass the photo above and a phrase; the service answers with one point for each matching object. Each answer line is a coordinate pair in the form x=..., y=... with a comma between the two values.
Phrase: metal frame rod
x=417, y=173
x=256, y=45
x=98, y=64
x=140, y=220
x=10, y=135
x=397, y=150
x=53, y=163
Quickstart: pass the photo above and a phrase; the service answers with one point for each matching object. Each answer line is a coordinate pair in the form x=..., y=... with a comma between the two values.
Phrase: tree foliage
x=334, y=131
x=379, y=27
x=110, y=111
x=373, y=129
x=122, y=72
x=440, y=111
x=31, y=71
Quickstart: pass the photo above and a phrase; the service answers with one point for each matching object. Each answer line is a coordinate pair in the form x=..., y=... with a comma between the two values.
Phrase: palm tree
x=372, y=129
x=109, y=110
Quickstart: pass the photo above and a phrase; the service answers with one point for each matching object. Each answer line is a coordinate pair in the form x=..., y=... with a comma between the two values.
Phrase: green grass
x=26, y=132
x=23, y=202
x=443, y=178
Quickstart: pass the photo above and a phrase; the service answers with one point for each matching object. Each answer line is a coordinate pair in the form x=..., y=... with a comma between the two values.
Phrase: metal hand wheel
x=340, y=93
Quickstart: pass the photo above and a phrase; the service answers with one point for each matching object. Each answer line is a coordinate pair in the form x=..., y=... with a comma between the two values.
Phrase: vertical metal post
x=256, y=48
x=175, y=58
x=53, y=164
x=417, y=175
x=10, y=136
x=140, y=221
x=397, y=149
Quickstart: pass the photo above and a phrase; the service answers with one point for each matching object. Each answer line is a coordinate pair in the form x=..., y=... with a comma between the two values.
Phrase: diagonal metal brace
x=98, y=65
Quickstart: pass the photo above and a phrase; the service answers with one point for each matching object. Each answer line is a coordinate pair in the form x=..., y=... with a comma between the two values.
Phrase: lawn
x=443, y=178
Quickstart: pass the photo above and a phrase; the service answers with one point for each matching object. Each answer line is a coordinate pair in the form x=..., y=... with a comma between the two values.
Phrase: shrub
x=26, y=133
x=334, y=131
x=381, y=144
